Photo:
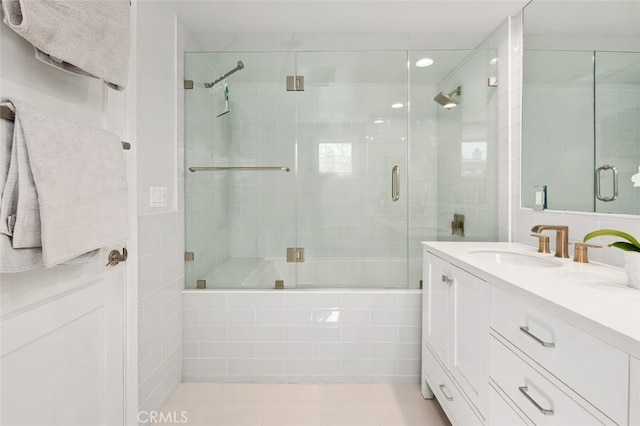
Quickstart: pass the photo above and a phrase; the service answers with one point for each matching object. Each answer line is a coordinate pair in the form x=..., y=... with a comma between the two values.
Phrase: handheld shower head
x=447, y=100
x=226, y=102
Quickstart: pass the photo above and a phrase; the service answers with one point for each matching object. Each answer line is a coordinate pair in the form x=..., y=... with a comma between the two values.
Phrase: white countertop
x=591, y=296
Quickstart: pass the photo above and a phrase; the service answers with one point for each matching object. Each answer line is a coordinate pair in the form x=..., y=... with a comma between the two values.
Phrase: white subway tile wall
x=294, y=336
x=161, y=266
x=468, y=150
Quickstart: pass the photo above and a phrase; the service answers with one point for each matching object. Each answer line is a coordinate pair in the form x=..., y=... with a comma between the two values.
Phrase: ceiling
x=319, y=25
x=605, y=25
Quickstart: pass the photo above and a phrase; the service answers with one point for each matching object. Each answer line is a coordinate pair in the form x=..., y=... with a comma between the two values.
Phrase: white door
x=63, y=329
x=61, y=358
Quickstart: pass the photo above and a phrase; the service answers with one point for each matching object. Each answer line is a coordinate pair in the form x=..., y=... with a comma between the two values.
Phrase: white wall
x=157, y=109
x=162, y=41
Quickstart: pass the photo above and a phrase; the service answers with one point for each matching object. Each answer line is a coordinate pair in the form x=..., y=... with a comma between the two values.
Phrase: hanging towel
x=89, y=37
x=64, y=190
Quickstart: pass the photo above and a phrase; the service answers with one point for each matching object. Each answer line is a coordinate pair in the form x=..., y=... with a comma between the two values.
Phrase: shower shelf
x=238, y=169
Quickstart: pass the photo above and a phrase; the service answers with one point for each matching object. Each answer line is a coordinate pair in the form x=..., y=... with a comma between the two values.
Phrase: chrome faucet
x=562, y=237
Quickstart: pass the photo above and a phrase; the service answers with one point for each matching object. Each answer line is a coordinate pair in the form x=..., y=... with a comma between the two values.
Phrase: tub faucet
x=562, y=237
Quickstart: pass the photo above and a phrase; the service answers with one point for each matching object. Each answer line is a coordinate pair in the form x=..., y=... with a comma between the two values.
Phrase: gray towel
x=63, y=187
x=89, y=37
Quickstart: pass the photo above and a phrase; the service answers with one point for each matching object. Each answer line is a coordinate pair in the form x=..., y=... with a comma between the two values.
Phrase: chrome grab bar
x=524, y=390
x=239, y=169
x=615, y=183
x=395, y=183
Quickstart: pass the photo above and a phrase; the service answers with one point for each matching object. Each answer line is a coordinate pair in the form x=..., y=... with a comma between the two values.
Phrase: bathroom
x=163, y=338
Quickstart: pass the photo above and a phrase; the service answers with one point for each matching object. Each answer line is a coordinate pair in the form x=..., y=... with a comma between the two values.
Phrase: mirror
x=581, y=105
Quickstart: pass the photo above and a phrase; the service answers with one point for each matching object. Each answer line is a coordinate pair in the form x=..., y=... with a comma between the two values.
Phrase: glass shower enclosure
x=326, y=169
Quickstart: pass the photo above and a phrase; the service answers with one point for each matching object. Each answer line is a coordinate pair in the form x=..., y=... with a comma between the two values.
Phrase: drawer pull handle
x=442, y=388
x=446, y=279
x=526, y=331
x=544, y=411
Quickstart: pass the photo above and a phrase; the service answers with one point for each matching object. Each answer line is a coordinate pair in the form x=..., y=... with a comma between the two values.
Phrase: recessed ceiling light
x=397, y=105
x=493, y=61
x=378, y=121
x=424, y=62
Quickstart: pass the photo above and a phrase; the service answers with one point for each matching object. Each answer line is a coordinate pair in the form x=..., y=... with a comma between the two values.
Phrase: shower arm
x=237, y=68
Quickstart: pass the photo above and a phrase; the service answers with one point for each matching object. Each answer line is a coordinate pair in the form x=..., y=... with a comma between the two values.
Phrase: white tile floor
x=234, y=404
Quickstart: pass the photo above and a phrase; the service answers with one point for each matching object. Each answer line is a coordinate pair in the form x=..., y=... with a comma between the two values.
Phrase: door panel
x=64, y=354
x=349, y=138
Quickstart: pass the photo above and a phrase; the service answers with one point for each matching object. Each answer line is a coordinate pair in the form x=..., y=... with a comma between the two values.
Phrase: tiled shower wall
x=302, y=336
x=468, y=150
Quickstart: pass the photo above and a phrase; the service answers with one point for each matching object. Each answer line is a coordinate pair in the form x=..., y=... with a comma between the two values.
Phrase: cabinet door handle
x=526, y=331
x=446, y=279
x=442, y=388
x=544, y=411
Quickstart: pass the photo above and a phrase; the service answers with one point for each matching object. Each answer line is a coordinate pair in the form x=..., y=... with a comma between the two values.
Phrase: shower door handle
x=615, y=183
x=395, y=183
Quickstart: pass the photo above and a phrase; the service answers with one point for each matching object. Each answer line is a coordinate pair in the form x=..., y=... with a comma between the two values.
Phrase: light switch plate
x=157, y=196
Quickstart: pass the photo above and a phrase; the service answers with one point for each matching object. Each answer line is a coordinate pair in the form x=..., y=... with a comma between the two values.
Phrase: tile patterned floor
x=234, y=404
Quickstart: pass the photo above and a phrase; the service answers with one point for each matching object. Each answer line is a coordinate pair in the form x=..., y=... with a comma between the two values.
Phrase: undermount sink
x=516, y=259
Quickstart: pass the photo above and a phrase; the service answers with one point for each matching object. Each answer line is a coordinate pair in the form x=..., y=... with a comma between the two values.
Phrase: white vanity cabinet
x=508, y=345
x=554, y=372
x=455, y=326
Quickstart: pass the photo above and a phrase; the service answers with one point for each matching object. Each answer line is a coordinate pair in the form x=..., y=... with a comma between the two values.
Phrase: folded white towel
x=89, y=37
x=64, y=189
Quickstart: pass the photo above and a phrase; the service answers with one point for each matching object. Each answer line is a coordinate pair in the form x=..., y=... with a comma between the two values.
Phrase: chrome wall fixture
x=219, y=79
x=395, y=183
x=239, y=169
x=447, y=100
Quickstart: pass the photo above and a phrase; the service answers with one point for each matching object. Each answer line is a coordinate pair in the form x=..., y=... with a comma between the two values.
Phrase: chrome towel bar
x=238, y=169
x=7, y=114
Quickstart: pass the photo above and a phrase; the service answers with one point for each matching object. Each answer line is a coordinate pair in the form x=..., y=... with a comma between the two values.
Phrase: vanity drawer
x=539, y=399
x=447, y=393
x=500, y=413
x=594, y=369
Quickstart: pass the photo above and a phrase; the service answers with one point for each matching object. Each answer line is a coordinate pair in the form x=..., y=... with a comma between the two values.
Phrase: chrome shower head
x=446, y=99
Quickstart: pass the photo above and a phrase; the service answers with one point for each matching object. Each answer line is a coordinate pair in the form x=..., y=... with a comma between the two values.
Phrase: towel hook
x=115, y=257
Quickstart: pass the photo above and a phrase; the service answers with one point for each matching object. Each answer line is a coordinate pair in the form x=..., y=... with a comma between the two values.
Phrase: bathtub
x=301, y=335
x=250, y=273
